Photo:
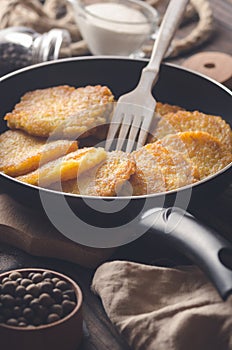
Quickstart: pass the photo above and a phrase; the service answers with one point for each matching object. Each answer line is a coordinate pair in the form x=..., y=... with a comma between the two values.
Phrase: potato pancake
x=181, y=121
x=21, y=153
x=206, y=152
x=158, y=170
x=160, y=111
x=148, y=178
x=66, y=168
x=165, y=108
x=62, y=110
x=106, y=179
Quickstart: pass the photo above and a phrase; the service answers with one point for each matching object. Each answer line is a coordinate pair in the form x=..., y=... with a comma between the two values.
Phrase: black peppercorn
x=71, y=294
x=57, y=295
x=34, y=299
x=45, y=287
x=6, y=279
x=55, y=280
x=27, y=299
x=46, y=300
x=15, y=275
x=47, y=274
x=33, y=289
x=9, y=287
x=20, y=291
x=17, y=311
x=28, y=313
x=25, y=282
x=68, y=306
x=57, y=309
x=12, y=322
x=62, y=285
x=35, y=304
x=37, y=278
x=53, y=318
x=8, y=300
x=22, y=319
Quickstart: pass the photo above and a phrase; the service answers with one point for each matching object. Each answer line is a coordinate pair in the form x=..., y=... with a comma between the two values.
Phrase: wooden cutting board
x=25, y=229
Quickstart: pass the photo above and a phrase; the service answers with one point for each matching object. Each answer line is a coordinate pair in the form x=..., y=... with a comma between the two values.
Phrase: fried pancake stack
x=41, y=149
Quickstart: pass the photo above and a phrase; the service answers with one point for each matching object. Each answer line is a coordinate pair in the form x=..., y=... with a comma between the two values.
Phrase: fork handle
x=169, y=25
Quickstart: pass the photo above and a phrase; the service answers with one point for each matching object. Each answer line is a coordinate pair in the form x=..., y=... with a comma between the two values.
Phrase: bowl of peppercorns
x=39, y=309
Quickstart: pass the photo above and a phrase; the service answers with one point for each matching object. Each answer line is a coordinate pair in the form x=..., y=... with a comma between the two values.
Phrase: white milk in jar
x=113, y=28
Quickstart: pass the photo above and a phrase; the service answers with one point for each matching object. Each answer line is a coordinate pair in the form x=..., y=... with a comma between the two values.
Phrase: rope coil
x=42, y=17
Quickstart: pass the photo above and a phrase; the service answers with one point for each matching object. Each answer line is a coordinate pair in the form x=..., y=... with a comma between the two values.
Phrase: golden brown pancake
x=106, y=179
x=21, y=153
x=65, y=168
x=147, y=178
x=160, y=111
x=158, y=170
x=63, y=110
x=206, y=152
x=181, y=121
x=165, y=108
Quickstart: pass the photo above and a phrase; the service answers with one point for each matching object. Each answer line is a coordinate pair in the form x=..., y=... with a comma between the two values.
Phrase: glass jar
x=22, y=46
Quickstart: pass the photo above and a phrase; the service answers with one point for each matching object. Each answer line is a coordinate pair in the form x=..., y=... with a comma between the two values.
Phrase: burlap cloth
x=157, y=308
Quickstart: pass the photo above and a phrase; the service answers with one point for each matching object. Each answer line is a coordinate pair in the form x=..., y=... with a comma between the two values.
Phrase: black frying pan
x=107, y=222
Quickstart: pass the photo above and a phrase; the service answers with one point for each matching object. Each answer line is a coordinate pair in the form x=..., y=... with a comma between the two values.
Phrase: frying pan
x=108, y=222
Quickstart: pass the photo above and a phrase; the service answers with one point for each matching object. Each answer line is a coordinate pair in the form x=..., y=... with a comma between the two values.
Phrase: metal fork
x=135, y=110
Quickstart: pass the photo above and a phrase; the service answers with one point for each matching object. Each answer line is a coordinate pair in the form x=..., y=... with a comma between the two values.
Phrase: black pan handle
x=200, y=243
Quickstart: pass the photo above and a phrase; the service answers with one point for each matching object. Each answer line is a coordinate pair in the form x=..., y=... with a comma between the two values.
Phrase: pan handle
x=210, y=251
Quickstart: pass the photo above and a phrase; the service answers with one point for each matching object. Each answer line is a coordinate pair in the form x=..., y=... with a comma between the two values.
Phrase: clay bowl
x=63, y=334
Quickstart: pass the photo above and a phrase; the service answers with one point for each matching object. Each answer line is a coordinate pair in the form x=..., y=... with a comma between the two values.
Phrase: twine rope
x=42, y=17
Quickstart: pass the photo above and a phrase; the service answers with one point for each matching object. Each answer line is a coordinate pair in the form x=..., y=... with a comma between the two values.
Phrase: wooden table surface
x=99, y=333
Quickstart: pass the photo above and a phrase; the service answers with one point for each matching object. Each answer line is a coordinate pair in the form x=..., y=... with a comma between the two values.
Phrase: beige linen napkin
x=159, y=308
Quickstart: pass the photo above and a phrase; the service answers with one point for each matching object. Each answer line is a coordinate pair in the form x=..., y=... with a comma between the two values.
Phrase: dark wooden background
x=99, y=333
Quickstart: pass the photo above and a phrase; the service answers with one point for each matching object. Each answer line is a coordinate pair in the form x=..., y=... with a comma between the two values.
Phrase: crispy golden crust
x=181, y=121
x=160, y=111
x=106, y=179
x=147, y=178
x=65, y=168
x=158, y=170
x=21, y=153
x=206, y=152
x=177, y=170
x=164, y=108
x=63, y=110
